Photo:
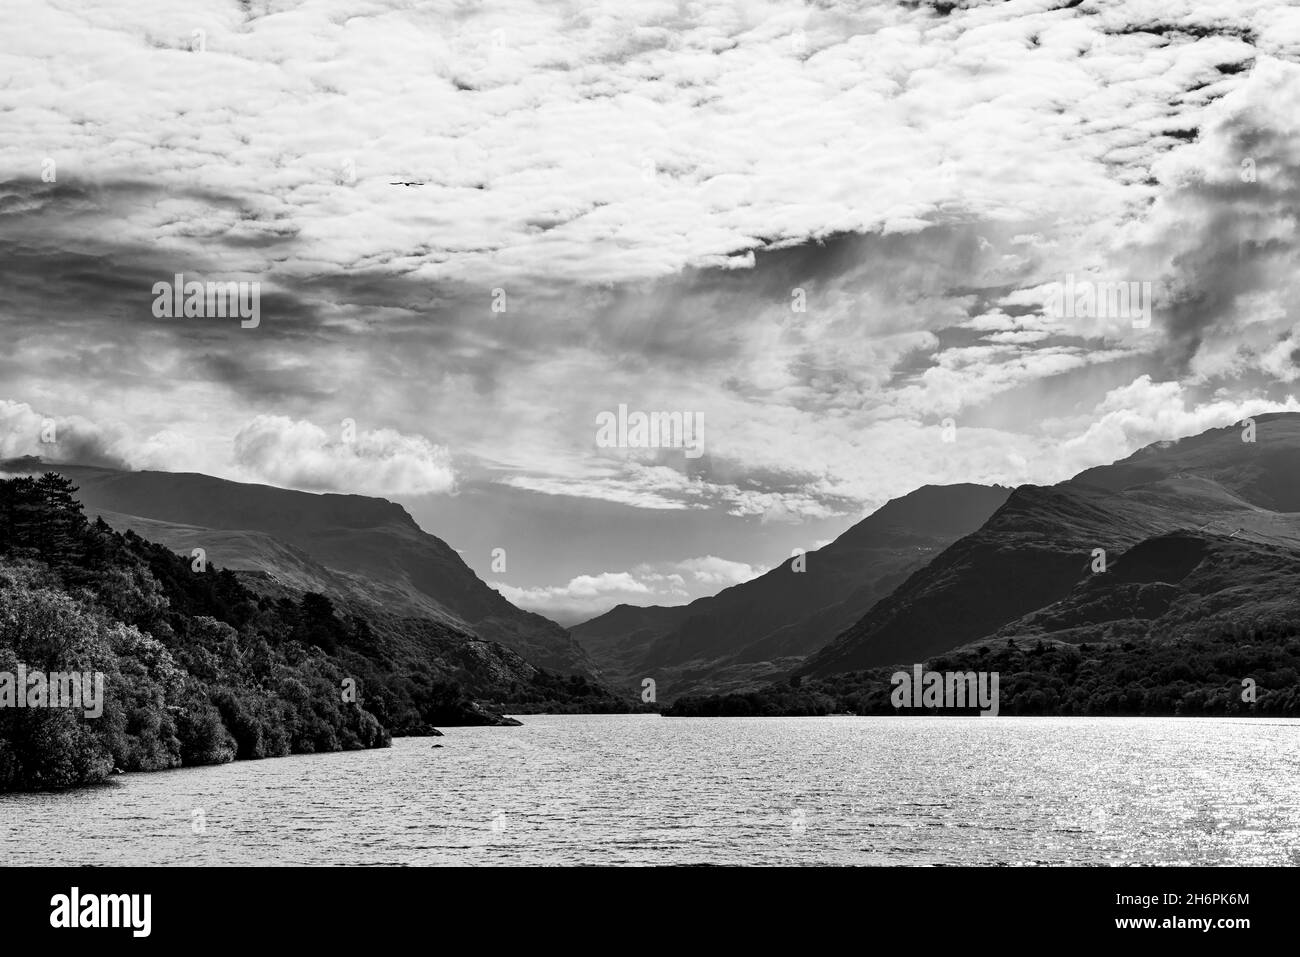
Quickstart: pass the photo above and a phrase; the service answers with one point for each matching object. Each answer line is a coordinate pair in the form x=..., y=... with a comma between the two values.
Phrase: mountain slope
x=1185, y=583
x=748, y=631
x=1037, y=551
x=348, y=546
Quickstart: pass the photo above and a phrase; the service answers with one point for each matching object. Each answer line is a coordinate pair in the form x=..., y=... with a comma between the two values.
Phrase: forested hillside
x=199, y=669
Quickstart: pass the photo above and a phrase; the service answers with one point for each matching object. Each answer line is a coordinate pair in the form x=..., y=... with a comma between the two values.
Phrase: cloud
x=659, y=264
x=722, y=131
x=584, y=596
x=57, y=439
x=663, y=583
x=1228, y=229
x=711, y=570
x=382, y=462
x=1144, y=412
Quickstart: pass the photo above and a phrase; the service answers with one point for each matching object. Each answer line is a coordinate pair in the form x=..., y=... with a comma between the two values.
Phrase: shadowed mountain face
x=1183, y=584
x=1206, y=529
x=755, y=629
x=352, y=547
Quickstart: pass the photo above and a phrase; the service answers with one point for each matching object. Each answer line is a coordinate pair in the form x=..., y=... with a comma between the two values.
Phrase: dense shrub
x=1199, y=674
x=197, y=669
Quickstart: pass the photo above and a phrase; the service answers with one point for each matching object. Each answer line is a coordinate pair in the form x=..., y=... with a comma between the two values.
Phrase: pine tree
x=19, y=514
x=61, y=524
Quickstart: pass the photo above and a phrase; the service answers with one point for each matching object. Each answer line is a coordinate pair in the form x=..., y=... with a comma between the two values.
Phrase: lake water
x=640, y=789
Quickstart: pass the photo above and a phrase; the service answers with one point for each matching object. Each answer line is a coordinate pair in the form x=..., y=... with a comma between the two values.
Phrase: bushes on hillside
x=196, y=669
x=1195, y=675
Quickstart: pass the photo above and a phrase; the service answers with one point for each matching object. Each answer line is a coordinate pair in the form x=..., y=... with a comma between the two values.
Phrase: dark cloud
x=1236, y=238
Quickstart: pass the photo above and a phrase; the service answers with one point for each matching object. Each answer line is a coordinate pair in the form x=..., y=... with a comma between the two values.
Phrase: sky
x=827, y=232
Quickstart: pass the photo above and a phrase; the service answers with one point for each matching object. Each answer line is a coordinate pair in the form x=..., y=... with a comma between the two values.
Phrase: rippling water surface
x=640, y=789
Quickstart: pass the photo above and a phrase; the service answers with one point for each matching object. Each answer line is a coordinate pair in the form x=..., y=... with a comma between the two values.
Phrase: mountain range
x=1185, y=536
x=1202, y=532
x=769, y=624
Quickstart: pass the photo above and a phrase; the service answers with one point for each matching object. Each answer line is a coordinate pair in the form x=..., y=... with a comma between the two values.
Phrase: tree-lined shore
x=199, y=669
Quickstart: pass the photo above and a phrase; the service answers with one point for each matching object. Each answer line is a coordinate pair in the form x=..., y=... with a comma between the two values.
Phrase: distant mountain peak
x=781, y=616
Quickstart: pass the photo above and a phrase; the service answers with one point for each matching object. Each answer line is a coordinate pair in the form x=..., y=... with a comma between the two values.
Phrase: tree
x=42, y=515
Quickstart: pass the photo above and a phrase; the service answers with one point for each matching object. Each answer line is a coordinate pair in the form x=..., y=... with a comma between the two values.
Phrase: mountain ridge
x=1040, y=545
x=754, y=629
x=371, y=548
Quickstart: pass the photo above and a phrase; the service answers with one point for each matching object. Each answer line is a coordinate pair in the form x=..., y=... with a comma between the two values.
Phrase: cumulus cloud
x=1145, y=411
x=382, y=462
x=662, y=583
x=585, y=596
x=68, y=440
x=711, y=570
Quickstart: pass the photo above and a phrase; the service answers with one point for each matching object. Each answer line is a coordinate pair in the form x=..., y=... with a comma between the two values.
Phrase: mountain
x=352, y=548
x=1201, y=532
x=753, y=630
x=195, y=667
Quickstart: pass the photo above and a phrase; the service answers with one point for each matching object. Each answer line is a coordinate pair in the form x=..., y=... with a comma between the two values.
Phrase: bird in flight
x=405, y=184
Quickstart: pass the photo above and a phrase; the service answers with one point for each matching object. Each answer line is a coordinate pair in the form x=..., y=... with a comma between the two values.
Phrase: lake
x=641, y=789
